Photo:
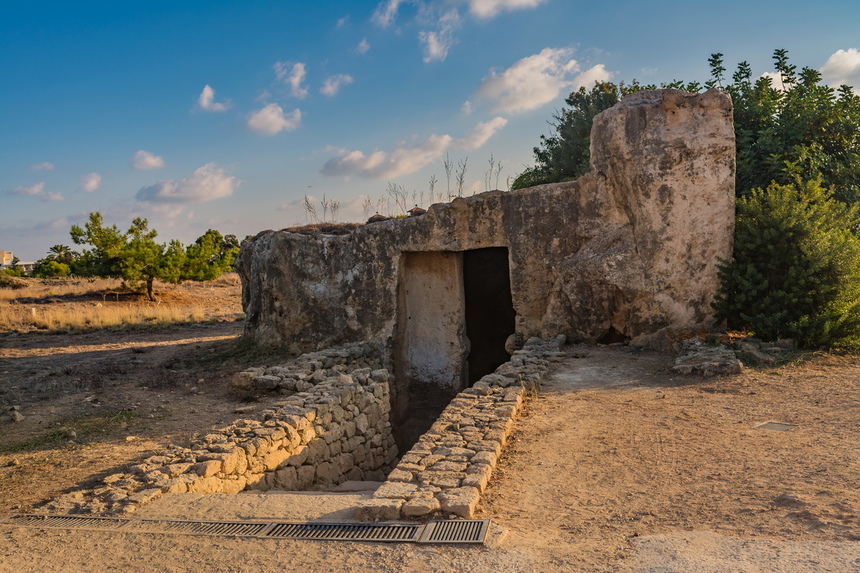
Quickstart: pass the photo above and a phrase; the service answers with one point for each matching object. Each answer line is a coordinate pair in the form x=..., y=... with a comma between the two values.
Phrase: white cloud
x=490, y=8
x=593, y=74
x=205, y=184
x=146, y=160
x=333, y=84
x=363, y=46
x=91, y=182
x=44, y=166
x=385, y=13
x=482, y=133
x=466, y=109
x=436, y=44
x=294, y=76
x=402, y=160
x=532, y=81
x=341, y=22
x=843, y=67
x=408, y=156
x=206, y=100
x=37, y=190
x=271, y=120
x=32, y=190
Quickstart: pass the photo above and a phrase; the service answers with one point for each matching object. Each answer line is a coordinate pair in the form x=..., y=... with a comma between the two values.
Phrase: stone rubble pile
x=450, y=465
x=334, y=430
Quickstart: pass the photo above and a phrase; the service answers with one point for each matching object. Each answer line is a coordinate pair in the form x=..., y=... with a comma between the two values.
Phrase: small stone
x=16, y=416
x=420, y=507
x=460, y=501
x=378, y=508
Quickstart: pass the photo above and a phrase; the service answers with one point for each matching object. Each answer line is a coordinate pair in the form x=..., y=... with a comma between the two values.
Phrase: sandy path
x=618, y=466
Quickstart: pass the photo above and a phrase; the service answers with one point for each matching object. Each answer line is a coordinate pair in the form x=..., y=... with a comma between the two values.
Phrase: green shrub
x=49, y=269
x=796, y=267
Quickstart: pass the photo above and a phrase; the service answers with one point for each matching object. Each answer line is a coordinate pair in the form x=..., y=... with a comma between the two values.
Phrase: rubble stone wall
x=336, y=429
x=447, y=470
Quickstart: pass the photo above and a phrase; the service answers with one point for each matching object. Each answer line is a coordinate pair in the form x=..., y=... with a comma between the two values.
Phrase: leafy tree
x=105, y=257
x=143, y=260
x=796, y=266
x=137, y=257
x=210, y=256
x=800, y=122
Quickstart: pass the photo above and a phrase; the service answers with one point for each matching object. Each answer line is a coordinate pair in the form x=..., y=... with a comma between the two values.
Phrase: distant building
x=6, y=258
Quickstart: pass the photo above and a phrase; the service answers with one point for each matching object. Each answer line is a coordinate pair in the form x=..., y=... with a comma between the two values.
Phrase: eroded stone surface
x=629, y=248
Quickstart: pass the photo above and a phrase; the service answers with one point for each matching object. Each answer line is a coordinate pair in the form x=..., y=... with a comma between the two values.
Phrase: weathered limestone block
x=379, y=508
x=420, y=507
x=460, y=501
x=629, y=248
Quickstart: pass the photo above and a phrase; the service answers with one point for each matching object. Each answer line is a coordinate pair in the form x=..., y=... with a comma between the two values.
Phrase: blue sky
x=225, y=115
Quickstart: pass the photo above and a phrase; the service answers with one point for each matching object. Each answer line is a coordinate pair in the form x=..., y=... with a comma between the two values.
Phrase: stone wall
x=336, y=429
x=448, y=468
x=628, y=249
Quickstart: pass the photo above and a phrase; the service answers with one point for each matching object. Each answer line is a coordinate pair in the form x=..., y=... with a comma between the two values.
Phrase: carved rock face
x=628, y=249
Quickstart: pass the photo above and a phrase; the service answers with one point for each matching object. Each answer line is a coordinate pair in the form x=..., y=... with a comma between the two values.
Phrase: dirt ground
x=618, y=465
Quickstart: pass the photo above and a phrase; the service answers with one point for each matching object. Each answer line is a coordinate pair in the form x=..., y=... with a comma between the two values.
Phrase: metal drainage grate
x=454, y=531
x=240, y=529
x=65, y=521
x=346, y=531
x=470, y=531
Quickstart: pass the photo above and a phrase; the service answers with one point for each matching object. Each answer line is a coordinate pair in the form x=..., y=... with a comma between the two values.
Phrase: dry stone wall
x=336, y=429
x=447, y=470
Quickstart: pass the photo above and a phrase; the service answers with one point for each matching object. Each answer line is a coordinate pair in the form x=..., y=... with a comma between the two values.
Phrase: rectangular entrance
x=455, y=312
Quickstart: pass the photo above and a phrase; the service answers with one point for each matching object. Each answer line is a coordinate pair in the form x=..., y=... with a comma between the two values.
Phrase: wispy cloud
x=363, y=46
x=438, y=42
x=205, y=184
x=293, y=76
x=271, y=120
x=446, y=17
x=37, y=190
x=407, y=156
x=146, y=160
x=91, y=182
x=482, y=133
x=333, y=84
x=843, y=67
x=385, y=13
x=490, y=8
x=536, y=80
x=44, y=166
x=206, y=100
x=341, y=22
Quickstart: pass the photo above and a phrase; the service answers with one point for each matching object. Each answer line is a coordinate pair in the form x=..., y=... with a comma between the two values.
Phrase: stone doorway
x=455, y=312
x=490, y=315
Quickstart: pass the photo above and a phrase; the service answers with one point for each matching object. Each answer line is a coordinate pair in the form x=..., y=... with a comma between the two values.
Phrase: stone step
x=335, y=506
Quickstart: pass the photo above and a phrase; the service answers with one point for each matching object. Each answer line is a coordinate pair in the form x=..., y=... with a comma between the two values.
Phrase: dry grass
x=87, y=304
x=95, y=316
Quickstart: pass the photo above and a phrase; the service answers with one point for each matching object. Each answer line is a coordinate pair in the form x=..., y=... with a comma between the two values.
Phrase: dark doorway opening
x=490, y=315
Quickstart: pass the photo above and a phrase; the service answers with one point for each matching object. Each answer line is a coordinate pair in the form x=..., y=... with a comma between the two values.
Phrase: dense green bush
x=51, y=269
x=796, y=266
